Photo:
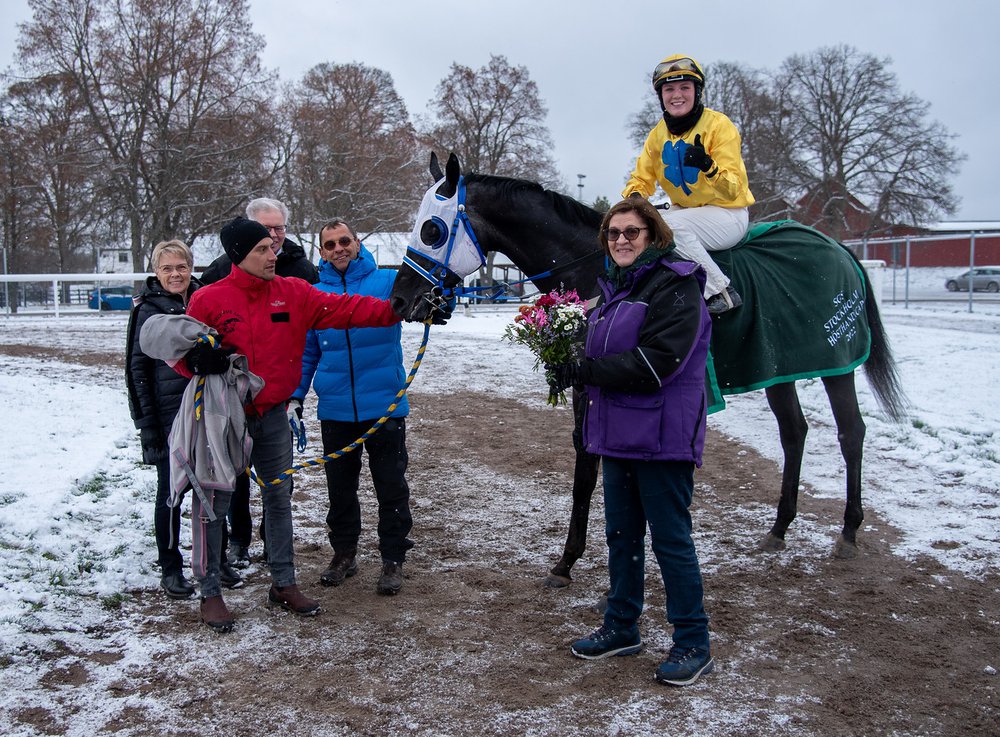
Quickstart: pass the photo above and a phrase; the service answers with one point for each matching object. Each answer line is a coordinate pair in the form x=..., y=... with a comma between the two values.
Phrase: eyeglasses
x=675, y=66
x=630, y=233
x=182, y=269
x=278, y=229
x=344, y=241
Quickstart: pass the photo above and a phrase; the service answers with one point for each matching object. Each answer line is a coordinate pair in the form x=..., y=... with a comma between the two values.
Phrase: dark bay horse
x=815, y=298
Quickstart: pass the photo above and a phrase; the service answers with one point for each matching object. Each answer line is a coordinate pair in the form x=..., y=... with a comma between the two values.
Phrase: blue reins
x=440, y=270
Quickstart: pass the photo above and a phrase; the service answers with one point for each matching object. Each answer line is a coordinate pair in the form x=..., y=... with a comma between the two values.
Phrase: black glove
x=696, y=156
x=564, y=376
x=204, y=359
x=441, y=315
x=441, y=308
x=154, y=445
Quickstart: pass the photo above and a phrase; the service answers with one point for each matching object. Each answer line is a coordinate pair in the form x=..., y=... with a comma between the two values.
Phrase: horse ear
x=453, y=169
x=436, y=168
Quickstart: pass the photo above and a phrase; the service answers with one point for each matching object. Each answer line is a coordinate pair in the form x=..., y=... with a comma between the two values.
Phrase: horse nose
x=399, y=306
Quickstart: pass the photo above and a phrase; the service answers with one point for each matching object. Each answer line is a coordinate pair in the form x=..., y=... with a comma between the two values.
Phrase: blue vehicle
x=112, y=298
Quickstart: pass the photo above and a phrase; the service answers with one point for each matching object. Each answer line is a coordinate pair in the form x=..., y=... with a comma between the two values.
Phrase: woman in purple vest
x=644, y=376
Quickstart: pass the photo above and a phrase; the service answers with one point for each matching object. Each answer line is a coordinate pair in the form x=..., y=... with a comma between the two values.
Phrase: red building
x=841, y=215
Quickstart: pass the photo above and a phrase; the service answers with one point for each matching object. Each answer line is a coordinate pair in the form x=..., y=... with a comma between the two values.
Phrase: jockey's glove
x=204, y=359
x=698, y=157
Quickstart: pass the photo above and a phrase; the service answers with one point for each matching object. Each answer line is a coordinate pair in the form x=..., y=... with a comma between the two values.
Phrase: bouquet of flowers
x=554, y=328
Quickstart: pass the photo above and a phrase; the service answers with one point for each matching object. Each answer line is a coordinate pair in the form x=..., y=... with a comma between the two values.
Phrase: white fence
x=53, y=294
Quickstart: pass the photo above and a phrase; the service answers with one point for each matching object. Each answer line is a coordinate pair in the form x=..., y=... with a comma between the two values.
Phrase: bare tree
x=831, y=130
x=759, y=108
x=176, y=97
x=494, y=119
x=863, y=140
x=355, y=153
x=56, y=179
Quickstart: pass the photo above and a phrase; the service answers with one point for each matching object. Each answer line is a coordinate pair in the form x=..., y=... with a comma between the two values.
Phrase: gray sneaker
x=605, y=642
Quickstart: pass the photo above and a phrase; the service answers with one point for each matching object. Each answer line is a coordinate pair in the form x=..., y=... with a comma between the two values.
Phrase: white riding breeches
x=698, y=230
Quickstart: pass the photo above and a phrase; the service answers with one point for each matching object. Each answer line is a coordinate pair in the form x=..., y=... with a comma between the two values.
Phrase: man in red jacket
x=265, y=318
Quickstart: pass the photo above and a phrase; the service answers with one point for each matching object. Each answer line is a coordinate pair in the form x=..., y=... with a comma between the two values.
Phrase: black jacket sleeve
x=218, y=269
x=140, y=373
x=666, y=338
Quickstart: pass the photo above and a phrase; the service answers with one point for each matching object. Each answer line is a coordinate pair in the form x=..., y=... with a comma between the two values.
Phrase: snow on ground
x=72, y=468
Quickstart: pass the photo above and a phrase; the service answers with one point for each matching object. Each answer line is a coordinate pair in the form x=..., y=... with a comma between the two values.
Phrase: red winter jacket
x=267, y=322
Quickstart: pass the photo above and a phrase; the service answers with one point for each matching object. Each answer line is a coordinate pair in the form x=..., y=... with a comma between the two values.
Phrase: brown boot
x=216, y=614
x=344, y=565
x=292, y=599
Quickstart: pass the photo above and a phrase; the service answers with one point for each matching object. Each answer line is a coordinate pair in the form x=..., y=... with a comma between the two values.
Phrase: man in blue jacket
x=356, y=374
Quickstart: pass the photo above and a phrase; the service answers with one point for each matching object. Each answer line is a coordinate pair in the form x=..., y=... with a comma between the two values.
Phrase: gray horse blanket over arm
x=209, y=452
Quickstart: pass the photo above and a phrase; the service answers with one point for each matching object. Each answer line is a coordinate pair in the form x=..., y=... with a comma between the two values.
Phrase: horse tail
x=880, y=368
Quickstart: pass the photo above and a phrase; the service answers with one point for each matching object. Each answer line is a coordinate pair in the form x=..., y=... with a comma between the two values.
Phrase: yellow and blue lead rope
x=371, y=431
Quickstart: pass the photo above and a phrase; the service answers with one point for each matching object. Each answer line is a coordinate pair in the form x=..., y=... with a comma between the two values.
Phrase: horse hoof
x=552, y=581
x=772, y=544
x=843, y=550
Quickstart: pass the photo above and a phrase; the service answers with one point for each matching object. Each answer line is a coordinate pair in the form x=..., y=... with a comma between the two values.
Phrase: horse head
x=442, y=249
x=463, y=217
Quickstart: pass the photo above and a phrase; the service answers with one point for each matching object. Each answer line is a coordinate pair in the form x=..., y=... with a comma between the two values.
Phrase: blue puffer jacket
x=647, y=344
x=355, y=373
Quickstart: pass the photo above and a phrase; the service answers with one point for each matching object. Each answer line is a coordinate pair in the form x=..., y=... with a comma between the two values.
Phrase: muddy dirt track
x=804, y=644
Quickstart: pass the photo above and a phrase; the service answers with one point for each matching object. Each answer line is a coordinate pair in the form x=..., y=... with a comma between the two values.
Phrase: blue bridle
x=441, y=269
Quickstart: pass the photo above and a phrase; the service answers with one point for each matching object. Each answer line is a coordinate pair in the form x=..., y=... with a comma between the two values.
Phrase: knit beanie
x=239, y=236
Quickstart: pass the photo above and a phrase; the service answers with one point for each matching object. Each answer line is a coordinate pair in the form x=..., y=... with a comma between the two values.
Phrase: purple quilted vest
x=667, y=424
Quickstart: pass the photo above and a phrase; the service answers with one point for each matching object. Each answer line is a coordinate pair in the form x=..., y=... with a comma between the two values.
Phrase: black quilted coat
x=154, y=388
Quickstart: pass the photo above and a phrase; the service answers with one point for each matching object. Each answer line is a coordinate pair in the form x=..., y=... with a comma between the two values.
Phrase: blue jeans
x=271, y=456
x=658, y=493
x=207, y=537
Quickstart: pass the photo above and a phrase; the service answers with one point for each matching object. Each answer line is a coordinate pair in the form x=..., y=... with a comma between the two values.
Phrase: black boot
x=228, y=577
x=343, y=566
x=391, y=580
x=176, y=586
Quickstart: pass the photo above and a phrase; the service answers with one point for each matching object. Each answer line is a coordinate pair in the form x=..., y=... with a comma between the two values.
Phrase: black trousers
x=240, y=522
x=387, y=461
x=166, y=523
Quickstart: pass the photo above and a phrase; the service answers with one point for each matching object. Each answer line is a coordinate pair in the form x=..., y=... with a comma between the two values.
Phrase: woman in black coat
x=154, y=394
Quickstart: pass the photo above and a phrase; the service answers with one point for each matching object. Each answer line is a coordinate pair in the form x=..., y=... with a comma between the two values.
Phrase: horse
x=553, y=239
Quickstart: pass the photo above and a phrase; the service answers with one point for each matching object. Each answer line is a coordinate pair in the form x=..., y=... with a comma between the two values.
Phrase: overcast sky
x=591, y=62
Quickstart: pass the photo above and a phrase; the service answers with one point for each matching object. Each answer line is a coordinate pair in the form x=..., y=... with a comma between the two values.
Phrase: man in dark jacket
x=292, y=261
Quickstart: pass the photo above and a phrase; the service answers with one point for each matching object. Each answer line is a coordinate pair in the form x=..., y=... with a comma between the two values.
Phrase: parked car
x=984, y=279
x=112, y=298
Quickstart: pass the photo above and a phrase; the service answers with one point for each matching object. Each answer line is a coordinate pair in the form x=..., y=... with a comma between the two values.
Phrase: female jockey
x=694, y=155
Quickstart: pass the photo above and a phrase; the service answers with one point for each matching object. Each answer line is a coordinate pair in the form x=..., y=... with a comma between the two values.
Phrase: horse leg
x=792, y=428
x=584, y=483
x=851, y=434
